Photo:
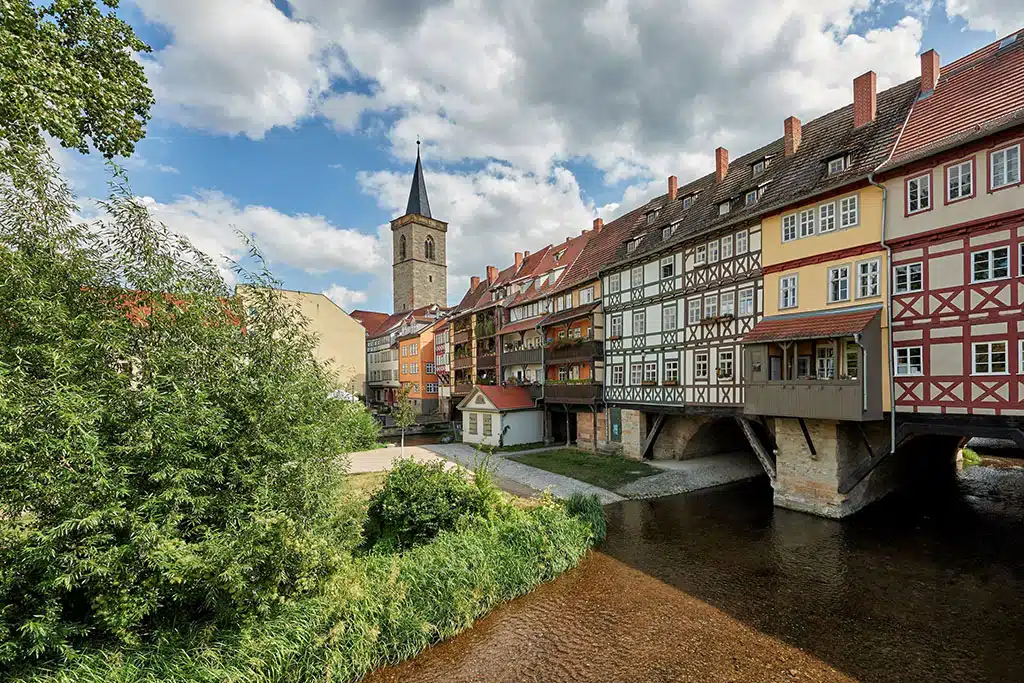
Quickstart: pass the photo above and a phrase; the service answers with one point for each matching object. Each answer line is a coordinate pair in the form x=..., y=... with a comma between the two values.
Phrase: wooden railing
x=572, y=393
x=584, y=351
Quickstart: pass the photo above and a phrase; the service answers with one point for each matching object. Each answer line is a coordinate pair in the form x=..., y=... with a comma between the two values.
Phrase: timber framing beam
x=652, y=436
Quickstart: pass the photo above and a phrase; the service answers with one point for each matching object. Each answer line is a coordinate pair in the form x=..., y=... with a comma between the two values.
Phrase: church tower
x=420, y=270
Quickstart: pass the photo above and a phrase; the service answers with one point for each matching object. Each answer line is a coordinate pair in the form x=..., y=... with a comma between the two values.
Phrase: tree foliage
x=166, y=453
x=67, y=68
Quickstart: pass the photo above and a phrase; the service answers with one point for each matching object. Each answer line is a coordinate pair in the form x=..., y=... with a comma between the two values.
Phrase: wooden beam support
x=807, y=436
x=652, y=436
x=767, y=462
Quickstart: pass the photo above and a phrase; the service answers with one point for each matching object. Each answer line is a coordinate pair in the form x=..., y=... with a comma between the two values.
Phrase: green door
x=615, y=418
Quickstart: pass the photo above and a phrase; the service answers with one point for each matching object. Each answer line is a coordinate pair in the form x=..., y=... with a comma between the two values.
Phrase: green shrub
x=168, y=452
x=380, y=610
x=589, y=509
x=417, y=502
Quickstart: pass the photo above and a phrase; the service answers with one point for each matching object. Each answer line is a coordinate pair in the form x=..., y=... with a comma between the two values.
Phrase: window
x=837, y=165
x=405, y=351
x=636, y=373
x=614, y=283
x=990, y=358
x=428, y=248
x=431, y=387
x=959, y=181
x=725, y=364
x=700, y=365
x=650, y=373
x=671, y=372
x=758, y=168
x=728, y=303
x=472, y=423
x=750, y=198
x=561, y=334
x=693, y=311
x=827, y=217
x=827, y=362
x=405, y=368
x=788, y=291
x=789, y=228
x=687, y=202
x=401, y=248
x=919, y=193
x=711, y=306
x=747, y=301
x=616, y=325
x=908, y=278
x=727, y=247
x=652, y=216
x=668, y=317
x=668, y=266
x=639, y=322
x=838, y=284
x=429, y=368
x=741, y=242
x=414, y=368
x=618, y=375
x=631, y=246
x=700, y=256
x=1004, y=167
x=587, y=296
x=991, y=264
x=563, y=373
x=851, y=361
x=666, y=232
x=803, y=367
x=867, y=278
x=908, y=361
x=723, y=208
x=487, y=425
x=636, y=276
x=807, y=223
x=848, y=212
x=713, y=252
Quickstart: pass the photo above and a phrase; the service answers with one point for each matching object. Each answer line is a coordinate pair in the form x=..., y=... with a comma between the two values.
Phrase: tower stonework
x=419, y=270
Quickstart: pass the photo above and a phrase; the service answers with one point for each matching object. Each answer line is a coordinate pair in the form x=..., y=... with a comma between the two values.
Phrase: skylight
x=1008, y=41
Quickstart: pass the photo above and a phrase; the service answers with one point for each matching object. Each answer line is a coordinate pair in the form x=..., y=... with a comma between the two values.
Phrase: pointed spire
x=418, y=203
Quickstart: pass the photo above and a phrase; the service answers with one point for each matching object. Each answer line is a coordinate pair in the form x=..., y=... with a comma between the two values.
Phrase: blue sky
x=297, y=121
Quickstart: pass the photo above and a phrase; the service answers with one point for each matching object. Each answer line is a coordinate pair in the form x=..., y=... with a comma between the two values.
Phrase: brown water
x=719, y=586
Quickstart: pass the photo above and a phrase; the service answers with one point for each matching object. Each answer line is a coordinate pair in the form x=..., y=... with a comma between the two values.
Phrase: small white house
x=501, y=416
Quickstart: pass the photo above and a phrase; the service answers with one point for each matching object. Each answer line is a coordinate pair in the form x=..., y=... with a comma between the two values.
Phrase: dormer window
x=667, y=231
x=632, y=245
x=723, y=208
x=688, y=201
x=559, y=255
x=837, y=165
x=751, y=197
x=652, y=216
x=757, y=168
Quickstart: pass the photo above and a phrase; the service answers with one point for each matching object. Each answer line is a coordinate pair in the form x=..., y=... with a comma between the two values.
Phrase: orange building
x=416, y=369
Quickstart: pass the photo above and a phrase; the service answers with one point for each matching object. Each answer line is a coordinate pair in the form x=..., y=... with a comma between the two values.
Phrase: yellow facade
x=808, y=259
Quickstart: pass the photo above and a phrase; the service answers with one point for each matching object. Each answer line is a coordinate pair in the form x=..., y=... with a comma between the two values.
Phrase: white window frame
x=636, y=276
x=958, y=181
x=865, y=271
x=693, y=309
x=650, y=372
x=757, y=168
x=789, y=232
x=701, y=364
x=746, y=304
x=789, y=283
x=839, y=275
x=713, y=251
x=726, y=364
x=639, y=322
x=700, y=255
x=826, y=217
x=670, y=263
x=428, y=368
x=631, y=245
x=726, y=247
x=905, y=271
x=990, y=266
x=990, y=353
x=849, y=211
x=750, y=198
x=616, y=321
x=687, y=202
x=587, y=296
x=807, y=222
x=711, y=306
x=668, y=322
x=825, y=361
x=636, y=373
x=723, y=307
x=431, y=387
x=618, y=375
x=723, y=208
x=652, y=216
x=745, y=241
x=909, y=361
x=670, y=370
x=1011, y=174
x=919, y=193
x=473, y=423
x=837, y=165
x=614, y=283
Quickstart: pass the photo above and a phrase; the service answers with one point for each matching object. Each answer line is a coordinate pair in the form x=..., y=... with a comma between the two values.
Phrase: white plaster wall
x=525, y=426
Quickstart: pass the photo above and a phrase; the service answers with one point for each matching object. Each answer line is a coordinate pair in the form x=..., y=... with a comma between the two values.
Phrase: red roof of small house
x=507, y=398
x=370, y=320
x=816, y=325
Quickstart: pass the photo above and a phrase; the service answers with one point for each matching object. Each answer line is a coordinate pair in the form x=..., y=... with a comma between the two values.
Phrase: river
x=716, y=586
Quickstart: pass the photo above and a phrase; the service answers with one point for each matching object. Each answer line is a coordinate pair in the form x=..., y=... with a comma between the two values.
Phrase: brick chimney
x=474, y=282
x=673, y=187
x=864, y=99
x=598, y=225
x=929, y=70
x=492, y=274
x=791, y=139
x=519, y=260
x=721, y=163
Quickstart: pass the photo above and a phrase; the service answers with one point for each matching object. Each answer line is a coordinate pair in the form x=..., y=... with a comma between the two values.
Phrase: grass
x=971, y=458
x=520, y=447
x=608, y=472
x=363, y=485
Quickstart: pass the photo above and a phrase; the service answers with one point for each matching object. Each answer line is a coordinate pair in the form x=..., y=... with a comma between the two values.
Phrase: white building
x=501, y=416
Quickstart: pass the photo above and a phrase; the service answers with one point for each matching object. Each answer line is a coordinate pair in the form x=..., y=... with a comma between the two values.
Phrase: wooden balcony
x=462, y=389
x=585, y=351
x=521, y=357
x=462, y=336
x=486, y=361
x=463, y=363
x=572, y=393
x=811, y=399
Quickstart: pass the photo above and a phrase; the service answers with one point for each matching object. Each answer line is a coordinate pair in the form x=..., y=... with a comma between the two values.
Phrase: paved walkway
x=536, y=479
x=380, y=459
x=683, y=476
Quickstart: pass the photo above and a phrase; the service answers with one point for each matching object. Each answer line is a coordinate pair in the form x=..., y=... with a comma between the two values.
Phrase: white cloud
x=1000, y=16
x=345, y=297
x=164, y=168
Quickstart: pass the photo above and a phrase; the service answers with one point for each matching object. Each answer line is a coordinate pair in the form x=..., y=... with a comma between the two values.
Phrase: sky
x=296, y=121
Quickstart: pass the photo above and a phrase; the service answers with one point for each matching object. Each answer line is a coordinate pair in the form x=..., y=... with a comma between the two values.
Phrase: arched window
x=401, y=248
x=428, y=248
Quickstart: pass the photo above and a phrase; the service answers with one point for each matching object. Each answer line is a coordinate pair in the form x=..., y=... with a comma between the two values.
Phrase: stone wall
x=634, y=433
x=684, y=437
x=585, y=430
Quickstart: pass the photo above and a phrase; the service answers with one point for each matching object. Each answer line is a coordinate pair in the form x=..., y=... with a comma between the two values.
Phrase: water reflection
x=926, y=586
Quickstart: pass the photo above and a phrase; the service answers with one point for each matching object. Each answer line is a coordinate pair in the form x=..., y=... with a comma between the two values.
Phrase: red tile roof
x=522, y=325
x=370, y=320
x=507, y=398
x=974, y=95
x=601, y=250
x=817, y=325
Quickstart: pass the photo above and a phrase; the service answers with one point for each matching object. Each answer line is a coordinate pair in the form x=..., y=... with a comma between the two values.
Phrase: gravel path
x=536, y=479
x=682, y=476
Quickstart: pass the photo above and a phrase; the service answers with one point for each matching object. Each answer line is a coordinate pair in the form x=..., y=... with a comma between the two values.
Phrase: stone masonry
x=585, y=430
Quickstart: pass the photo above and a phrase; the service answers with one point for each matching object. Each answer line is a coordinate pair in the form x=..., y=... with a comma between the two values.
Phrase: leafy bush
x=380, y=610
x=589, y=509
x=167, y=451
x=417, y=502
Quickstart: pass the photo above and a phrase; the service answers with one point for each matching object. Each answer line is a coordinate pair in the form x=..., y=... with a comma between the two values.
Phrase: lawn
x=520, y=447
x=608, y=472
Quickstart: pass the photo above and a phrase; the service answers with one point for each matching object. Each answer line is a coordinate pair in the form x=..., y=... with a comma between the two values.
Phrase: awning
x=571, y=314
x=815, y=325
x=521, y=326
